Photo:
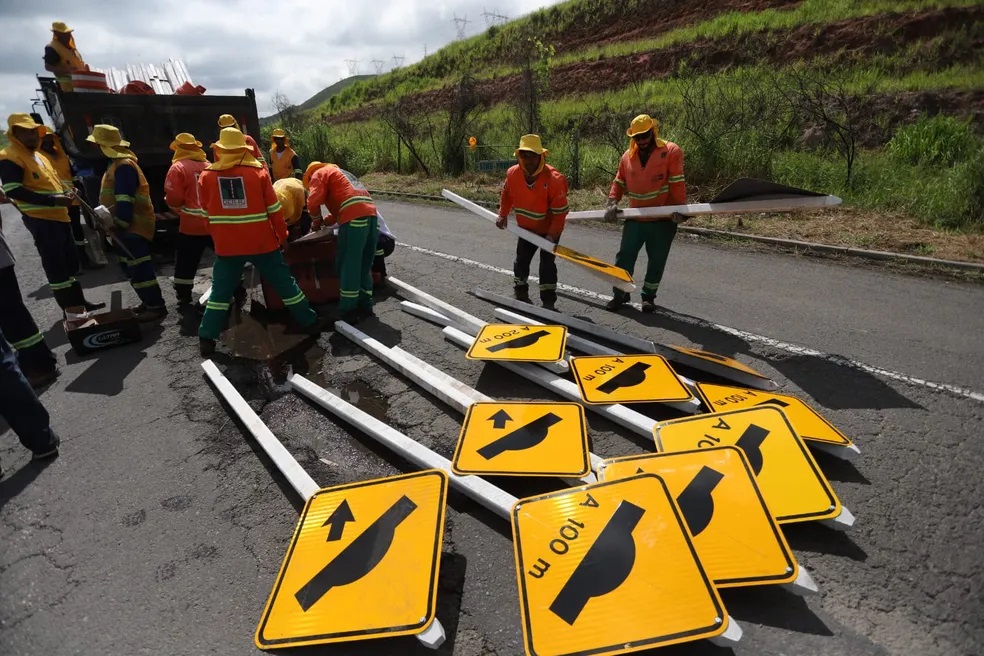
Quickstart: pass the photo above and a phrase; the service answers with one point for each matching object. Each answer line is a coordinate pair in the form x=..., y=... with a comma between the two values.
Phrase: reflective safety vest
x=540, y=207
x=331, y=187
x=64, y=168
x=40, y=177
x=143, y=209
x=660, y=182
x=181, y=195
x=242, y=210
x=282, y=163
x=69, y=62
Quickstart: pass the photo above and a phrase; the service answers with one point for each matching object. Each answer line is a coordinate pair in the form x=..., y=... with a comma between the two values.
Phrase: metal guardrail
x=883, y=256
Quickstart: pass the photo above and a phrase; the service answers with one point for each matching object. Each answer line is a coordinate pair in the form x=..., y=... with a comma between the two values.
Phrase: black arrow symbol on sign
x=604, y=567
x=520, y=342
x=778, y=402
x=581, y=257
x=359, y=557
x=338, y=519
x=696, y=501
x=524, y=437
x=631, y=377
x=499, y=419
x=751, y=443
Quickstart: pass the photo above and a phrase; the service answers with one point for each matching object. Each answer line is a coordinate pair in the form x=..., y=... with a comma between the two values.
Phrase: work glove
x=501, y=222
x=679, y=218
x=611, y=212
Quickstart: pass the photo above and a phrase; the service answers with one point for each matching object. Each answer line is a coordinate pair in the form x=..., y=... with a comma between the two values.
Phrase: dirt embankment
x=845, y=42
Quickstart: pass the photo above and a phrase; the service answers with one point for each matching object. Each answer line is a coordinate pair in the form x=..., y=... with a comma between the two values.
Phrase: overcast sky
x=297, y=47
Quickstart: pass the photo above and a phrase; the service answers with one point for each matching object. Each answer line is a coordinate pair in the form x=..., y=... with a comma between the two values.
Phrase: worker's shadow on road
x=92, y=282
x=832, y=384
x=13, y=484
x=107, y=374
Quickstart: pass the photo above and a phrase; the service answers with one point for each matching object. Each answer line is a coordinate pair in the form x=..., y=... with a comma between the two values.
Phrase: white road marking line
x=747, y=336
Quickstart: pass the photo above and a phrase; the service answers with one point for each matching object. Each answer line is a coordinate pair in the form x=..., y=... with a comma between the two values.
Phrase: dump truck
x=149, y=122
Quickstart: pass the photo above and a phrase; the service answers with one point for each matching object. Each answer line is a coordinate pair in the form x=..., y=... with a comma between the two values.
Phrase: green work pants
x=226, y=275
x=657, y=237
x=356, y=252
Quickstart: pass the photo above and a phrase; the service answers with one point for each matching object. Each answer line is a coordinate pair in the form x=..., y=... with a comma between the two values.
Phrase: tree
x=291, y=118
x=406, y=127
x=465, y=106
x=533, y=57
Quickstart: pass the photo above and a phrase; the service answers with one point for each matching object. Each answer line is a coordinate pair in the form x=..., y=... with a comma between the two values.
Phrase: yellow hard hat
x=531, y=143
x=230, y=139
x=227, y=121
x=21, y=121
x=107, y=135
x=185, y=140
x=642, y=123
x=278, y=133
x=60, y=27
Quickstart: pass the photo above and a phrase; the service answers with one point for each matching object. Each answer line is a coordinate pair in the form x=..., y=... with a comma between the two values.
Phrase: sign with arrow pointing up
x=523, y=439
x=519, y=343
x=363, y=563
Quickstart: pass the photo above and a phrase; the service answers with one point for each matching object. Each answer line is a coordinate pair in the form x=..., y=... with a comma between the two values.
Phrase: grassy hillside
x=321, y=97
x=878, y=101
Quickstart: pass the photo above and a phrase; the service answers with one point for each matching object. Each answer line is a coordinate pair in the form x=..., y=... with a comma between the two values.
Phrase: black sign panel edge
x=431, y=593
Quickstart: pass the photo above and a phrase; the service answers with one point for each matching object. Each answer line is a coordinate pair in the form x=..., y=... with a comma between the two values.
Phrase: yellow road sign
x=610, y=568
x=363, y=563
x=737, y=538
x=523, y=439
x=719, y=359
x=807, y=422
x=789, y=478
x=600, y=266
x=627, y=379
x=505, y=341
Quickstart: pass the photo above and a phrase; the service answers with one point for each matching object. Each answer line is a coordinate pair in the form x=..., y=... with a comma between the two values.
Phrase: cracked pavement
x=161, y=527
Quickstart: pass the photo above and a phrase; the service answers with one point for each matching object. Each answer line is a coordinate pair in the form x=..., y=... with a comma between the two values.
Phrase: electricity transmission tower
x=493, y=18
x=460, y=24
x=397, y=61
x=353, y=66
x=378, y=63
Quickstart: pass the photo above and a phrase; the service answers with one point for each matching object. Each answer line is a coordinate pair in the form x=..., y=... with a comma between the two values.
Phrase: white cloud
x=296, y=47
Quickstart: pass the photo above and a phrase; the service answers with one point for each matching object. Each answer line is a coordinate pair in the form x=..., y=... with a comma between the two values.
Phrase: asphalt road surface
x=161, y=527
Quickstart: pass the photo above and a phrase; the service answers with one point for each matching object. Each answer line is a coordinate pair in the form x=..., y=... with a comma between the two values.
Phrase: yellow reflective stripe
x=124, y=198
x=675, y=178
x=242, y=218
x=547, y=288
x=62, y=285
x=273, y=208
x=651, y=285
x=192, y=210
x=348, y=294
x=212, y=305
x=29, y=207
x=359, y=223
x=536, y=216
x=620, y=182
x=10, y=186
x=558, y=210
x=139, y=260
x=183, y=281
x=294, y=300
x=650, y=195
x=28, y=342
x=144, y=285
x=380, y=252
x=353, y=200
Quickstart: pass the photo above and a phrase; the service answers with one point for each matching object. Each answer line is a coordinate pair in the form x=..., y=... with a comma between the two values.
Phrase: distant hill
x=321, y=96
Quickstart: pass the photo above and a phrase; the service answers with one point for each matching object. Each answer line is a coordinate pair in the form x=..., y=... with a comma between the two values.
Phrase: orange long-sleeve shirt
x=660, y=182
x=540, y=207
x=181, y=195
x=243, y=212
x=332, y=188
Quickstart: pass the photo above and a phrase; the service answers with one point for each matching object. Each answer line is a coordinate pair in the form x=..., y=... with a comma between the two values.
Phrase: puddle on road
x=365, y=398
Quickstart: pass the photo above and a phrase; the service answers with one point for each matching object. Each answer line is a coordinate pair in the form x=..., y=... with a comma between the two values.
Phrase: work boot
x=206, y=347
x=321, y=324
x=146, y=314
x=47, y=454
x=648, y=306
x=522, y=294
x=550, y=305
x=41, y=378
x=615, y=304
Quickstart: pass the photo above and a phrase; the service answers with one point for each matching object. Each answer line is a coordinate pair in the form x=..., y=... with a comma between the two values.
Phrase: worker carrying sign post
x=651, y=174
x=537, y=193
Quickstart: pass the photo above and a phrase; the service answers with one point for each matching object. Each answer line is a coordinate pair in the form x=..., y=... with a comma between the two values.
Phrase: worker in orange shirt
x=537, y=193
x=651, y=174
x=229, y=121
x=247, y=225
x=181, y=195
x=351, y=207
x=284, y=162
x=61, y=57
